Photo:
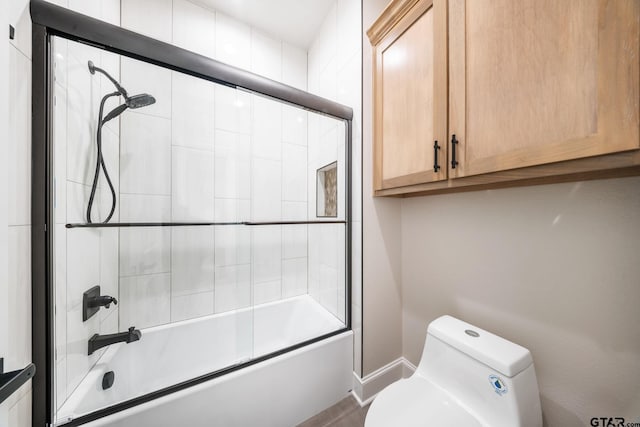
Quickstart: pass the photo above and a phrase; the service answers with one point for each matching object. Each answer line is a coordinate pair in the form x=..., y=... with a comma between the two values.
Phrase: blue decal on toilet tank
x=498, y=385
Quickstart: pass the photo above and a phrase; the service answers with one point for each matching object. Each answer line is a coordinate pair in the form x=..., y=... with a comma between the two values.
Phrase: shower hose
x=100, y=164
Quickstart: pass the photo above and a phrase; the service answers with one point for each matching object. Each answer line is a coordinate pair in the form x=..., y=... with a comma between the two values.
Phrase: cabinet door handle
x=454, y=142
x=436, y=166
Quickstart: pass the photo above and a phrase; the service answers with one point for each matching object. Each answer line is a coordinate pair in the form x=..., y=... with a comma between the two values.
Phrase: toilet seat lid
x=415, y=402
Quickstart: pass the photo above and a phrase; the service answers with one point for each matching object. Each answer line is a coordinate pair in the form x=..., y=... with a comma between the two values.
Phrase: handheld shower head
x=133, y=102
x=139, y=101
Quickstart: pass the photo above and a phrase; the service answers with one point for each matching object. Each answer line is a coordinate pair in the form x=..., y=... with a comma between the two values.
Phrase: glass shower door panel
x=182, y=291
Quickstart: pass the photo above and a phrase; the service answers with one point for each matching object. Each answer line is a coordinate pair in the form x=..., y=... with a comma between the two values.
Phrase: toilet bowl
x=466, y=377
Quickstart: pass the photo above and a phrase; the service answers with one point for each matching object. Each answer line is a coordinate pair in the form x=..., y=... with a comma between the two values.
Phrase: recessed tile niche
x=327, y=191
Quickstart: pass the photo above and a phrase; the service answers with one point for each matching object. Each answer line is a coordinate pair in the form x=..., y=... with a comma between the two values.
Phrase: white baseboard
x=365, y=389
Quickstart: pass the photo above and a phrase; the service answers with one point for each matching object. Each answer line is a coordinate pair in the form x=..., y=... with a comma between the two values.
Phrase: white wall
x=4, y=142
x=382, y=295
x=335, y=73
x=553, y=268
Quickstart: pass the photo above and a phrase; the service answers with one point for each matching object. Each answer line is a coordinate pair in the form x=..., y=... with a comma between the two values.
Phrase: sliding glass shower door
x=199, y=227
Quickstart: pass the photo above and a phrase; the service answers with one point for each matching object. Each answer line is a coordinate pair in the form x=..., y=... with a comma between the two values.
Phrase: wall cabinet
x=515, y=93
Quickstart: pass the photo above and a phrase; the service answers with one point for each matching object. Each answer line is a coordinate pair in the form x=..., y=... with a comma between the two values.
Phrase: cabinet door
x=541, y=81
x=410, y=94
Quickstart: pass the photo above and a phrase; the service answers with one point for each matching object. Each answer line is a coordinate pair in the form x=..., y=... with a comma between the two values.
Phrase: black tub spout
x=98, y=341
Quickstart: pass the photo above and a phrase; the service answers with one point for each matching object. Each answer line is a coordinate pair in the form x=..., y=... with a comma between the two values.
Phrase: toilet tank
x=492, y=378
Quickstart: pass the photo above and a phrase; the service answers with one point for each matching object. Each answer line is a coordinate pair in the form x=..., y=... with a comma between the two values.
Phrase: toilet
x=466, y=377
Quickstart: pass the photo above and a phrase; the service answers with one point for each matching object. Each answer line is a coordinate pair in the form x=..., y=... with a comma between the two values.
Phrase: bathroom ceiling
x=294, y=21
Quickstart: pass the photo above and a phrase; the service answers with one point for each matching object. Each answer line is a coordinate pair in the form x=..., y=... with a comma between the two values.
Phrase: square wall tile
x=233, y=42
x=233, y=287
x=19, y=143
x=194, y=28
x=145, y=301
x=266, y=55
x=145, y=154
x=149, y=17
x=232, y=110
x=232, y=165
x=190, y=306
x=141, y=77
x=193, y=112
x=294, y=277
x=192, y=261
x=192, y=185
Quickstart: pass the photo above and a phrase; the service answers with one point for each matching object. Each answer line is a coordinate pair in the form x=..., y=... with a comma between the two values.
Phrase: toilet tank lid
x=504, y=356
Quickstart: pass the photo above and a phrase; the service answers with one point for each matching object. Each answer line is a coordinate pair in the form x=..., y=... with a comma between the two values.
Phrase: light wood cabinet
x=537, y=91
x=410, y=94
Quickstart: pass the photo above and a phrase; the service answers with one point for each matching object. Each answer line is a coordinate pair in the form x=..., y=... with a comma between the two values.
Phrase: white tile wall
x=266, y=55
x=192, y=175
x=139, y=77
x=193, y=116
x=194, y=28
x=19, y=148
x=83, y=263
x=145, y=301
x=145, y=154
x=232, y=166
x=266, y=130
x=294, y=66
x=152, y=18
x=192, y=261
x=233, y=42
x=233, y=287
x=233, y=110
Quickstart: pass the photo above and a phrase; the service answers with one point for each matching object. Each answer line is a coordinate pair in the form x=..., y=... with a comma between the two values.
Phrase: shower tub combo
x=182, y=281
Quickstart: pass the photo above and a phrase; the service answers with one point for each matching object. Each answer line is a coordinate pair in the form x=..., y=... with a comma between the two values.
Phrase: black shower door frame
x=50, y=20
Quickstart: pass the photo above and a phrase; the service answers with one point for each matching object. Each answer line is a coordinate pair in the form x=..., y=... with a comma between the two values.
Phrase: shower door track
x=51, y=20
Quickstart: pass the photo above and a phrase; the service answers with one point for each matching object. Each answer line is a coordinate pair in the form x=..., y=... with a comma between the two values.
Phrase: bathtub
x=280, y=391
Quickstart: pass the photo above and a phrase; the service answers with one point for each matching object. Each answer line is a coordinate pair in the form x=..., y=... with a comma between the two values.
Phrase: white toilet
x=466, y=377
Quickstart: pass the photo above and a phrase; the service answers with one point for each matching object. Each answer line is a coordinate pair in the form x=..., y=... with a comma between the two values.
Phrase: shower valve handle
x=103, y=301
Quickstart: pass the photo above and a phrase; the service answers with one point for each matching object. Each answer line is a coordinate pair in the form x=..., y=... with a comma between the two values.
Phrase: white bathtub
x=280, y=391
